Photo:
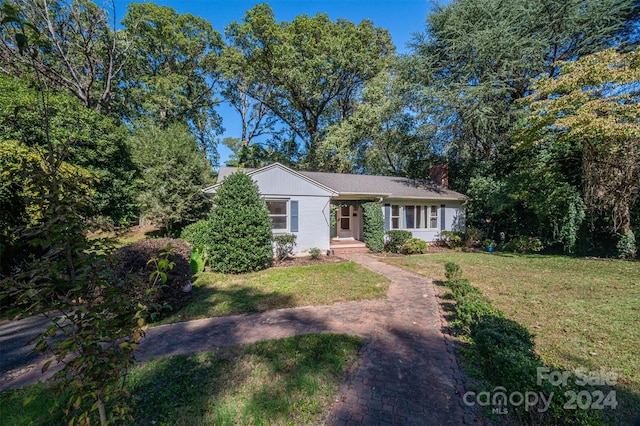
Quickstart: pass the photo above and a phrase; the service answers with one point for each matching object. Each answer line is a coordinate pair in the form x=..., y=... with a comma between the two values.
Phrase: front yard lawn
x=585, y=313
x=215, y=295
x=288, y=381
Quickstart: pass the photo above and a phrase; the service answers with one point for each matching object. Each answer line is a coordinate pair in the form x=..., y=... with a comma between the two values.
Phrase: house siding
x=451, y=217
x=312, y=210
x=313, y=223
x=280, y=183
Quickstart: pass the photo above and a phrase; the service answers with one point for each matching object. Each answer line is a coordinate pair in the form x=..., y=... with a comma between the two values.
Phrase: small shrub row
x=395, y=240
x=414, y=246
x=507, y=358
x=523, y=244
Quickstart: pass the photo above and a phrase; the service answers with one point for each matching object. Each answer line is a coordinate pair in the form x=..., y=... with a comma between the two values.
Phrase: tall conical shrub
x=241, y=227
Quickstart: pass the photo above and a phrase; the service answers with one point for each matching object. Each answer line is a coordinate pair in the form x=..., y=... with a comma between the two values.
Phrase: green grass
x=584, y=313
x=288, y=381
x=216, y=295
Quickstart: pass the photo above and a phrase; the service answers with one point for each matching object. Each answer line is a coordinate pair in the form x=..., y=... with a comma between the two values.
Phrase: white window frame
x=398, y=216
x=287, y=214
x=432, y=216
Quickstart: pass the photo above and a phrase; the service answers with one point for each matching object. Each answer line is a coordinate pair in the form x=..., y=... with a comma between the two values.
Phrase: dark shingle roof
x=388, y=186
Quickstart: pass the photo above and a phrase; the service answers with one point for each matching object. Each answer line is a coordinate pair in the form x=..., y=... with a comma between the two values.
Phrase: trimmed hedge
x=507, y=357
x=373, y=226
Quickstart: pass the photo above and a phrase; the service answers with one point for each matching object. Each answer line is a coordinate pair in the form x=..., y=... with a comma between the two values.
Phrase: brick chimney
x=440, y=175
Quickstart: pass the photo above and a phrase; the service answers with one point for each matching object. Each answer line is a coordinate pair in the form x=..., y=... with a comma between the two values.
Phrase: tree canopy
x=312, y=68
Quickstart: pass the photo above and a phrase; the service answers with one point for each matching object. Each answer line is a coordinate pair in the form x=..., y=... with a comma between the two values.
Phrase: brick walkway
x=406, y=373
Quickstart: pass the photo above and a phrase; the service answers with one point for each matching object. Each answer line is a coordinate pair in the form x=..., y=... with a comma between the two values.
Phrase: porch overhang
x=360, y=196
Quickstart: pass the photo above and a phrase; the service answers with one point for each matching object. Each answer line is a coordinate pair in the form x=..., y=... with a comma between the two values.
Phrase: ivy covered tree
x=240, y=227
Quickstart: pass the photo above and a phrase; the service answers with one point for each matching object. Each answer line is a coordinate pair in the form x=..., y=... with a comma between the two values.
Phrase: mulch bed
x=307, y=261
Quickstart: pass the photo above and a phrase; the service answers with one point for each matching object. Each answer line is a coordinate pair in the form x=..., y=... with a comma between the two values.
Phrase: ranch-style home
x=302, y=203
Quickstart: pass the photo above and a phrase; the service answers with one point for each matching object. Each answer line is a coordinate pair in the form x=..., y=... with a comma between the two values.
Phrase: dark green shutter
x=294, y=216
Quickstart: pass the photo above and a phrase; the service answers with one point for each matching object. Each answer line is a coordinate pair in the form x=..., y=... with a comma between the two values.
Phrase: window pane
x=279, y=222
x=395, y=210
x=434, y=211
x=344, y=211
x=344, y=223
x=395, y=223
x=434, y=222
x=409, y=214
x=419, y=217
x=277, y=207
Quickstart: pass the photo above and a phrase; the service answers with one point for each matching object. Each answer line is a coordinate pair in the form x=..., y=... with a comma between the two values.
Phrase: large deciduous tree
x=477, y=57
x=72, y=44
x=314, y=68
x=381, y=136
x=172, y=72
x=593, y=104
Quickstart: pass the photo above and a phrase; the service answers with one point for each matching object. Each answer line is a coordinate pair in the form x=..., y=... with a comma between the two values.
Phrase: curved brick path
x=406, y=373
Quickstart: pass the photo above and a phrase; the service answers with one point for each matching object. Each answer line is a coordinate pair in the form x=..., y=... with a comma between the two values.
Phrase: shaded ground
x=406, y=373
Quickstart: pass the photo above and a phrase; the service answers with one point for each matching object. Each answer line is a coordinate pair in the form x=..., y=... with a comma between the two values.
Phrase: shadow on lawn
x=200, y=388
x=209, y=301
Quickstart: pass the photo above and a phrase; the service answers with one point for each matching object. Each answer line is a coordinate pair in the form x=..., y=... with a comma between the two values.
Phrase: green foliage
x=373, y=226
x=240, y=226
x=100, y=326
x=198, y=233
x=591, y=104
x=460, y=287
x=284, y=245
x=452, y=239
x=26, y=193
x=452, y=271
x=197, y=261
x=627, y=246
x=522, y=244
x=414, y=246
x=488, y=243
x=174, y=171
x=315, y=253
x=493, y=334
x=172, y=59
x=381, y=137
x=471, y=308
x=313, y=68
x=155, y=271
x=395, y=239
x=82, y=138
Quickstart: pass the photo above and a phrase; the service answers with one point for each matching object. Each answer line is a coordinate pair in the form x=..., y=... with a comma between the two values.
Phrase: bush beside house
x=241, y=236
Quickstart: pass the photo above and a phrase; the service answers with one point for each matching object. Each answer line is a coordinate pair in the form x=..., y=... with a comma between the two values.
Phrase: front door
x=344, y=222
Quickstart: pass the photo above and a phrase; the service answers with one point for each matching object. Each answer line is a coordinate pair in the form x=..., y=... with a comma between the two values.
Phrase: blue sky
x=402, y=18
